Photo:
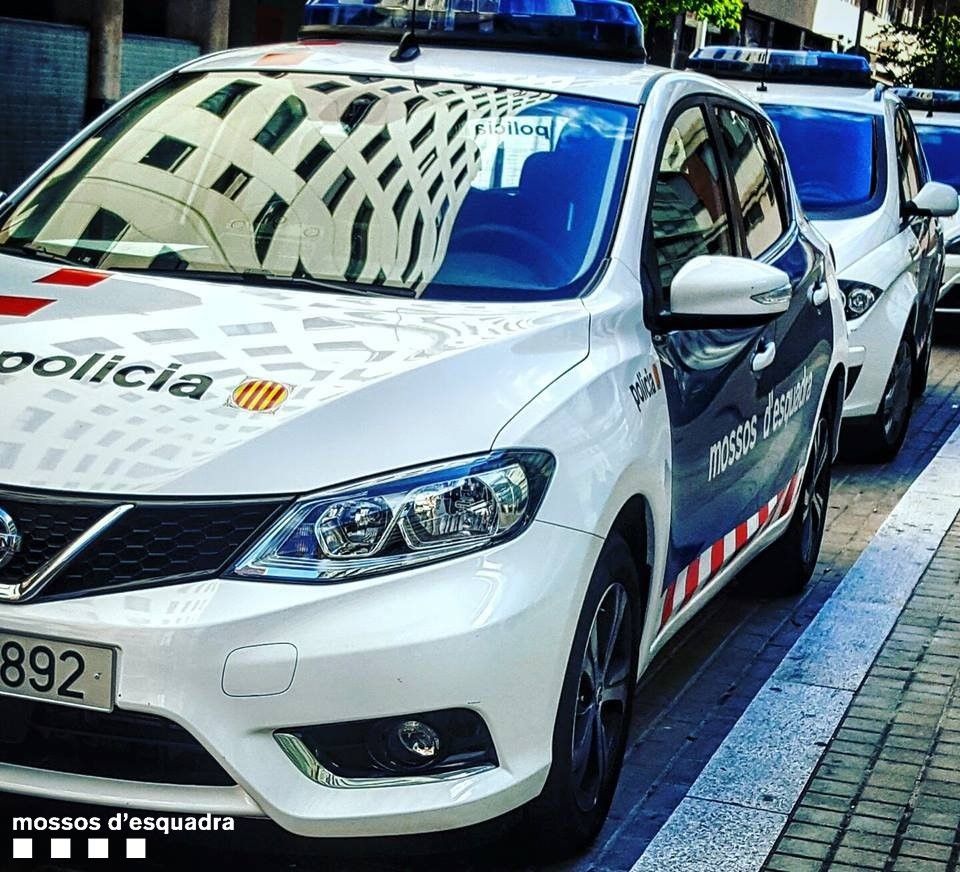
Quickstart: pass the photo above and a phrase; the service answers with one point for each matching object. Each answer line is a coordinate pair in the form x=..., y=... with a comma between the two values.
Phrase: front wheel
x=788, y=564
x=879, y=437
x=593, y=717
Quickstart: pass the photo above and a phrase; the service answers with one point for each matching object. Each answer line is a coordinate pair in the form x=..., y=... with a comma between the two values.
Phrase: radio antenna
x=409, y=47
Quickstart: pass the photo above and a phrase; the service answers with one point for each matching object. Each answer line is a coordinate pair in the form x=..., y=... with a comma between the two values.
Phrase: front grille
x=121, y=745
x=155, y=542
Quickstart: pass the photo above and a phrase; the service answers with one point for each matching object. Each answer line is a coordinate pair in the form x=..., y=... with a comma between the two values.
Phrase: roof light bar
x=778, y=65
x=583, y=28
x=929, y=99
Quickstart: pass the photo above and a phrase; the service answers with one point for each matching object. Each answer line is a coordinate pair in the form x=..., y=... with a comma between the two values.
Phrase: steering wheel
x=513, y=239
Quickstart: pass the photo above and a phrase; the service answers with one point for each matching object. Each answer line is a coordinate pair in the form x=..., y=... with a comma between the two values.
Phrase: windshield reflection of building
x=358, y=178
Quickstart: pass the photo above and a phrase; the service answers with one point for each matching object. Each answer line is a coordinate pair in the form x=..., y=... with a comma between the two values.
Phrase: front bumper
x=949, y=298
x=490, y=632
x=874, y=339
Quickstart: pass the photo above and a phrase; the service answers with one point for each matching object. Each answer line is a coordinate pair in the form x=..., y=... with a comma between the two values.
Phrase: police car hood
x=128, y=384
x=855, y=238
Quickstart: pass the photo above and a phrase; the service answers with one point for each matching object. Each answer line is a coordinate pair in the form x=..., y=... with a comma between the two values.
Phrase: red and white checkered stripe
x=704, y=569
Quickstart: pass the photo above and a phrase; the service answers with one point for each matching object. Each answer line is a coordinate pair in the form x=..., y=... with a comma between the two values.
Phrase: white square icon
x=59, y=849
x=23, y=849
x=136, y=849
x=98, y=849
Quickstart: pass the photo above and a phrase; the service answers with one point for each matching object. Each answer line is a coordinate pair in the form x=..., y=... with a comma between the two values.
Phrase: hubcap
x=897, y=396
x=602, y=695
x=816, y=491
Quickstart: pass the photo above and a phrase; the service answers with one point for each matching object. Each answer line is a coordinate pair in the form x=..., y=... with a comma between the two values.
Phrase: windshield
x=429, y=189
x=941, y=145
x=832, y=156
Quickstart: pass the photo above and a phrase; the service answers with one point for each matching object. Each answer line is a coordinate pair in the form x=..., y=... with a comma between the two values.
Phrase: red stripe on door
x=20, y=307
x=76, y=278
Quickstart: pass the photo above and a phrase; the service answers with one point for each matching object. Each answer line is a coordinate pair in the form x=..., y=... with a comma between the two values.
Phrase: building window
x=401, y=202
x=354, y=114
x=371, y=149
x=266, y=224
x=231, y=182
x=168, y=154
x=337, y=191
x=288, y=117
x=415, y=242
x=358, y=241
x=105, y=226
x=388, y=172
x=314, y=160
x=423, y=135
x=221, y=101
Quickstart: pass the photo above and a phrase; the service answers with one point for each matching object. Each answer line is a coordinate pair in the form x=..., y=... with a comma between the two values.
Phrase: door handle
x=820, y=295
x=763, y=357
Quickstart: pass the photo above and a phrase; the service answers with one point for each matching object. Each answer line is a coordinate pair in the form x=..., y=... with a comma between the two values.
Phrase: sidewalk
x=858, y=725
x=886, y=793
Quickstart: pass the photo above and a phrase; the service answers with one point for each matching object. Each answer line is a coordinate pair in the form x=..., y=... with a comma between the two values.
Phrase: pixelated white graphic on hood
x=376, y=384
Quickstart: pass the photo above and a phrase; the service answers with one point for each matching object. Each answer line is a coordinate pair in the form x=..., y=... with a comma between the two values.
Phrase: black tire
x=878, y=438
x=573, y=805
x=785, y=568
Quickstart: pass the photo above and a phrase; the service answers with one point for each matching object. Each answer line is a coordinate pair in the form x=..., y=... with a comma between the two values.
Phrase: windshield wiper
x=252, y=277
x=40, y=253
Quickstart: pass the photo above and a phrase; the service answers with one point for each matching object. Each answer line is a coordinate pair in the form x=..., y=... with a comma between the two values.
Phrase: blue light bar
x=583, y=28
x=929, y=99
x=779, y=65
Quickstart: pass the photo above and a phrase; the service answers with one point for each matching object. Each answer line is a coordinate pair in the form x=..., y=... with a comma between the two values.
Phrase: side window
x=908, y=164
x=689, y=213
x=756, y=181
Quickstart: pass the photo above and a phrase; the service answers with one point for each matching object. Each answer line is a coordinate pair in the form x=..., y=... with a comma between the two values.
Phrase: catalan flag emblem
x=259, y=395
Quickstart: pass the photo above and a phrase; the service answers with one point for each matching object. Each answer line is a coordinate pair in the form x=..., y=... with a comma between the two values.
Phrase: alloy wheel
x=896, y=399
x=816, y=491
x=601, y=705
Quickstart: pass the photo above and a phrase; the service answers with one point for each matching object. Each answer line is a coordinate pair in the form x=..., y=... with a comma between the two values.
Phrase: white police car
x=936, y=115
x=373, y=414
x=863, y=180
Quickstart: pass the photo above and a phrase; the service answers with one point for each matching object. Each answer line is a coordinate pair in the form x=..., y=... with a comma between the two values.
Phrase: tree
x=926, y=55
x=724, y=14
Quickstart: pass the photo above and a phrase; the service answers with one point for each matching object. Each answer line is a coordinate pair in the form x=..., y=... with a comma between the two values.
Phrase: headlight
x=859, y=297
x=403, y=520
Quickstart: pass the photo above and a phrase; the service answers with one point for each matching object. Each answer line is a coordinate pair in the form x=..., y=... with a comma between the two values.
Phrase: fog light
x=447, y=743
x=411, y=745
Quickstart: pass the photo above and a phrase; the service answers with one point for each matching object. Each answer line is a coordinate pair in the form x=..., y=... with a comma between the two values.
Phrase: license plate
x=56, y=671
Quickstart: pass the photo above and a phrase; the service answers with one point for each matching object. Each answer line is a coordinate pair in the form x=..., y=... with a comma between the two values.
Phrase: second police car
x=937, y=117
x=863, y=179
x=374, y=413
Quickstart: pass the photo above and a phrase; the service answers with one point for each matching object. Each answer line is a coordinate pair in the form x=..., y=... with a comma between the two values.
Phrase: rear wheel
x=788, y=564
x=879, y=437
x=593, y=717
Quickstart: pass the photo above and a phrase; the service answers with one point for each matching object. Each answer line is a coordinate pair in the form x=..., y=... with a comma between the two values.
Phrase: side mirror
x=934, y=199
x=716, y=286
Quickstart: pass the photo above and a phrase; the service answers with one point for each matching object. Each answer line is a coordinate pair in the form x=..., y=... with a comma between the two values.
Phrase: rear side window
x=689, y=215
x=755, y=181
x=908, y=163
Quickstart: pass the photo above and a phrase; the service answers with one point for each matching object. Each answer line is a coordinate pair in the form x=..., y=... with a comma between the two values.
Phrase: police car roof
x=843, y=98
x=620, y=81
x=937, y=119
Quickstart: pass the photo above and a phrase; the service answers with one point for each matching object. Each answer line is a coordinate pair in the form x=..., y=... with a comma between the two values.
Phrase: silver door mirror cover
x=934, y=199
x=718, y=286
